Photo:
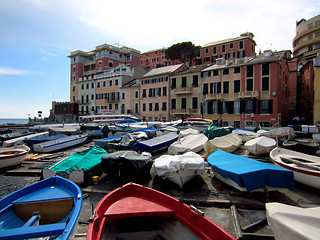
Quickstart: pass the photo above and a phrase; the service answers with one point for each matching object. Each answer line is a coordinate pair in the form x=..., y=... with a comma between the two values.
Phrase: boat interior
x=147, y=227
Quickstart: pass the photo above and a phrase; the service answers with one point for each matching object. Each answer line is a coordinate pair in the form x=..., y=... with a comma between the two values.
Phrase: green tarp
x=84, y=160
x=213, y=131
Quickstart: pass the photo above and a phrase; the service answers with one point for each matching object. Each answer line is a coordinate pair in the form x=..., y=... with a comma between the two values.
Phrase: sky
x=36, y=36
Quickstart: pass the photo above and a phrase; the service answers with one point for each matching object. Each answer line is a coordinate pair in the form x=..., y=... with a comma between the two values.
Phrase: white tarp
x=189, y=131
x=286, y=132
x=293, y=223
x=193, y=143
x=228, y=143
x=260, y=145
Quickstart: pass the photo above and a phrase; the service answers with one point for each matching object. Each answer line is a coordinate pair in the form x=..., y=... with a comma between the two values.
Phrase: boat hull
x=144, y=213
x=13, y=156
x=305, y=176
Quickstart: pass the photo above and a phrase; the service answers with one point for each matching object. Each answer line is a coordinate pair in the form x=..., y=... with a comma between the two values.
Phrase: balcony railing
x=249, y=94
x=181, y=111
x=184, y=90
x=213, y=96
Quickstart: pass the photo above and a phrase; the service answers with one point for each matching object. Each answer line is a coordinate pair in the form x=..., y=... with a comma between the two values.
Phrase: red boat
x=136, y=212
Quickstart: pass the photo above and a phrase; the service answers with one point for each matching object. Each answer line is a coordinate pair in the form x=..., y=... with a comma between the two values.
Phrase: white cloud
x=12, y=71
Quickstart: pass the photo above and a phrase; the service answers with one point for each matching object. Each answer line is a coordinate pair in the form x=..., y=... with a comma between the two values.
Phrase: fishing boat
x=291, y=222
x=136, y=212
x=306, y=168
x=29, y=141
x=60, y=143
x=127, y=165
x=260, y=145
x=156, y=143
x=192, y=142
x=179, y=169
x=227, y=143
x=21, y=140
x=307, y=146
x=78, y=167
x=15, y=134
x=49, y=208
x=13, y=155
x=247, y=174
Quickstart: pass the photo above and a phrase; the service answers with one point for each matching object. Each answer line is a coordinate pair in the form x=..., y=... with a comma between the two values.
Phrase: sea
x=13, y=121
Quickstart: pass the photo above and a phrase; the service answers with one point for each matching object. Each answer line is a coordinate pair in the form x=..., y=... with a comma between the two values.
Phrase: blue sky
x=38, y=35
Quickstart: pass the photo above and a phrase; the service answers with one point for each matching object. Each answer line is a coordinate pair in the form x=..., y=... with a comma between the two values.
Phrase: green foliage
x=184, y=52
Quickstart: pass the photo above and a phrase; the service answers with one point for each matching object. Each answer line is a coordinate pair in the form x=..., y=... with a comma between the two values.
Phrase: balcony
x=184, y=90
x=112, y=99
x=181, y=111
x=249, y=94
x=213, y=96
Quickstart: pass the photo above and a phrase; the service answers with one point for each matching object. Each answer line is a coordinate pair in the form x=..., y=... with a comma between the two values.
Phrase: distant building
x=64, y=112
x=306, y=45
x=156, y=58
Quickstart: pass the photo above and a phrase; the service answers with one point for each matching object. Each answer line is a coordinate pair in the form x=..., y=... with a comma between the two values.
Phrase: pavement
x=224, y=205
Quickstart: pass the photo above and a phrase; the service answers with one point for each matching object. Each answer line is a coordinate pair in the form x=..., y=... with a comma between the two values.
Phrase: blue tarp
x=250, y=173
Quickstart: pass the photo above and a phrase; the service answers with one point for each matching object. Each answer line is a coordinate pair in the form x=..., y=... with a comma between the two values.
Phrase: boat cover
x=189, y=131
x=278, y=132
x=228, y=143
x=293, y=223
x=250, y=173
x=39, y=139
x=166, y=164
x=193, y=143
x=127, y=164
x=84, y=160
x=156, y=143
x=213, y=131
x=260, y=145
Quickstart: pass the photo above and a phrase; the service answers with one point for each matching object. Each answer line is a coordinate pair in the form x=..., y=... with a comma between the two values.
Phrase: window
x=150, y=107
x=229, y=107
x=144, y=107
x=184, y=82
x=214, y=50
x=225, y=71
x=92, y=85
x=249, y=86
x=250, y=107
x=207, y=50
x=92, y=96
x=249, y=71
x=173, y=103
x=211, y=89
x=237, y=70
x=231, y=45
x=237, y=107
x=265, y=69
x=217, y=87
x=164, y=91
x=173, y=83
x=110, y=64
x=223, y=48
x=99, y=64
x=225, y=87
x=73, y=88
x=136, y=107
x=215, y=73
x=156, y=106
x=195, y=81
x=265, y=106
x=144, y=93
x=194, y=103
x=183, y=103
x=241, y=44
x=116, y=82
x=98, y=84
x=205, y=88
x=236, y=86
x=104, y=84
x=265, y=84
x=110, y=83
x=164, y=106
x=150, y=92
x=136, y=94
x=123, y=95
x=206, y=59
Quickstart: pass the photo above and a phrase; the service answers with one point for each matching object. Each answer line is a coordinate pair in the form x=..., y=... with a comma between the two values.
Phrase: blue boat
x=157, y=143
x=247, y=174
x=49, y=208
x=29, y=141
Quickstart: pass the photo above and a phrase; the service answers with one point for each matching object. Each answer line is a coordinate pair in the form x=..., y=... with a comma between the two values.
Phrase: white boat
x=260, y=145
x=20, y=140
x=306, y=168
x=246, y=135
x=228, y=143
x=293, y=223
x=13, y=155
x=282, y=133
x=60, y=143
x=188, y=143
x=179, y=169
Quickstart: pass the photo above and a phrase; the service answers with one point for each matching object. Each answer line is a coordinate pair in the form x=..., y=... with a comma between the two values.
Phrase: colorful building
x=156, y=58
x=248, y=91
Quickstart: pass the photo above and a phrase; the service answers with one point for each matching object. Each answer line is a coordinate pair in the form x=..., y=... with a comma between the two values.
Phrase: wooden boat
x=49, y=208
x=156, y=143
x=260, y=145
x=247, y=174
x=192, y=142
x=61, y=143
x=291, y=222
x=179, y=169
x=307, y=146
x=78, y=167
x=13, y=156
x=136, y=212
x=8, y=136
x=127, y=165
x=227, y=143
x=306, y=168
x=21, y=140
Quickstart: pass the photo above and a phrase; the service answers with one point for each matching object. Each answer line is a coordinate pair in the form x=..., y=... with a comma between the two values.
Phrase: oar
x=302, y=164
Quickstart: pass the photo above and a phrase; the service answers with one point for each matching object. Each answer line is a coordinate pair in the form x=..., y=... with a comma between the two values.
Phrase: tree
x=184, y=52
